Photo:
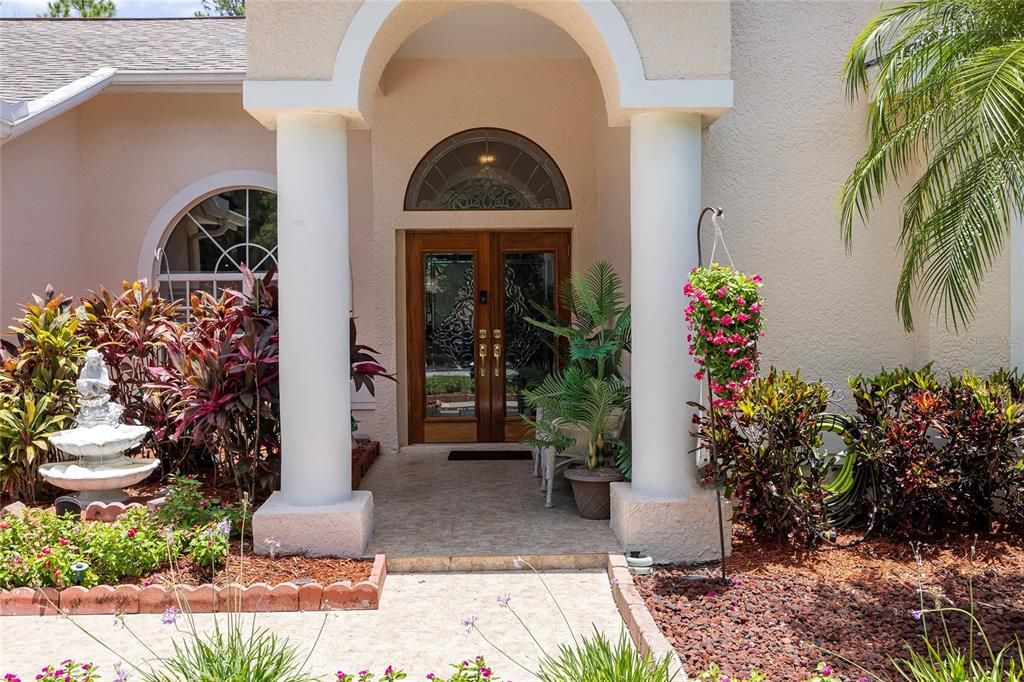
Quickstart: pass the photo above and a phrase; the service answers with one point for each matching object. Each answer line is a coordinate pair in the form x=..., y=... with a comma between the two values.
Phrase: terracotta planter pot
x=590, y=488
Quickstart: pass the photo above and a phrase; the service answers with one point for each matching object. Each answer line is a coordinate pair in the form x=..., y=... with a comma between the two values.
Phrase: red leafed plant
x=221, y=379
x=365, y=367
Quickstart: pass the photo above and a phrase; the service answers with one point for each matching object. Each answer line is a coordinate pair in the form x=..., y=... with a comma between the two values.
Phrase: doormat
x=491, y=455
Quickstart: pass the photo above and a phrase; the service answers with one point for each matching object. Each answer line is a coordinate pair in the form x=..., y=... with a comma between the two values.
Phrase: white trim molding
x=628, y=91
x=17, y=118
x=175, y=207
x=21, y=117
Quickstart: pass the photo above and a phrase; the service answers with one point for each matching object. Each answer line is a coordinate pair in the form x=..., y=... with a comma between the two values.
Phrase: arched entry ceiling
x=489, y=31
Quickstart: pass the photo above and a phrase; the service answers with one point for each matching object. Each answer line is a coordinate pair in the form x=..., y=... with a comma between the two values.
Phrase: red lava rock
x=790, y=608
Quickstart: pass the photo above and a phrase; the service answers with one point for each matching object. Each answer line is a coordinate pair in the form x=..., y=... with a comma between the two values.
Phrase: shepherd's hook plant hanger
x=716, y=213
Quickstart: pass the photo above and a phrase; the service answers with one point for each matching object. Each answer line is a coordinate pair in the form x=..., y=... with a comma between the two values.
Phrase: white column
x=316, y=440
x=665, y=196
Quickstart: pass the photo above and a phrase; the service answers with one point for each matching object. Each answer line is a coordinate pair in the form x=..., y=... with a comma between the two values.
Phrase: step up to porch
x=460, y=564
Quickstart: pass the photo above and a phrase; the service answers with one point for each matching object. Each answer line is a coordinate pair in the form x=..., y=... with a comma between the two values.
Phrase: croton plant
x=724, y=318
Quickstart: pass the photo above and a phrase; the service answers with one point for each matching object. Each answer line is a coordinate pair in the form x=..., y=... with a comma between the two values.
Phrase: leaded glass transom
x=486, y=169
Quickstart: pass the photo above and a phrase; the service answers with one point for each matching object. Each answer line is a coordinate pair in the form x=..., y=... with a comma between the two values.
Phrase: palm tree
x=946, y=84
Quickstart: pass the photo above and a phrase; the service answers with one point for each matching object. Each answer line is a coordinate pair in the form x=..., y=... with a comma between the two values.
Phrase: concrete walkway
x=417, y=627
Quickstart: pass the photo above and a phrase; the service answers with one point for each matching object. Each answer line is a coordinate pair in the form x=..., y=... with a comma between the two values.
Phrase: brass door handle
x=497, y=359
x=483, y=355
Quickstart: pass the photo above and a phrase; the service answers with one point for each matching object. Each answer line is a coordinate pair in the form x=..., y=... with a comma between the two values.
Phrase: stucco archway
x=379, y=28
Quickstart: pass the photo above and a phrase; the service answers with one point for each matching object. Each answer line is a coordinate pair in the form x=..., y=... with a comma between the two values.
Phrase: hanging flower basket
x=724, y=318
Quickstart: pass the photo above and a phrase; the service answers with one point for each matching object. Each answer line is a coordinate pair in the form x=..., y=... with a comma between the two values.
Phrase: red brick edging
x=259, y=597
x=644, y=632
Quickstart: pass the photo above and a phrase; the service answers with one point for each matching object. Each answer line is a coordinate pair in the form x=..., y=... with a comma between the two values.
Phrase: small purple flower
x=224, y=527
x=469, y=623
x=916, y=614
x=518, y=562
x=120, y=674
x=504, y=599
x=826, y=670
x=170, y=616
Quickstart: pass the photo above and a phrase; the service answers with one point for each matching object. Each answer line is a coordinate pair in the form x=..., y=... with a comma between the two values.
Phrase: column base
x=341, y=529
x=671, y=530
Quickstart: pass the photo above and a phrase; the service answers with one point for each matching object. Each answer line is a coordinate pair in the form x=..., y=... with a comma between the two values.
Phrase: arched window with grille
x=214, y=238
x=487, y=169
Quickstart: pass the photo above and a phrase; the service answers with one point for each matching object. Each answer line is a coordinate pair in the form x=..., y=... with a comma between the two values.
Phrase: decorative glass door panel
x=471, y=349
x=449, y=287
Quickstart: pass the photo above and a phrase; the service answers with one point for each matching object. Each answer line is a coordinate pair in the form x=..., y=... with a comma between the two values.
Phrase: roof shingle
x=37, y=56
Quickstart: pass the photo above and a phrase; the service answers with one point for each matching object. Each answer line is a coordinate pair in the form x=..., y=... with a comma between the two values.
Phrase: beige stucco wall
x=776, y=163
x=40, y=230
x=553, y=102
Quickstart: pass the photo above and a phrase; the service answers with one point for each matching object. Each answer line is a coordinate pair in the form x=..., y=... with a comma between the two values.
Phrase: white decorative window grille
x=486, y=169
x=214, y=239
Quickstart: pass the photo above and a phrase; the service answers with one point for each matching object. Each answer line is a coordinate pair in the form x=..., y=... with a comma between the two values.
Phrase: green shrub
x=37, y=389
x=185, y=506
x=942, y=454
x=596, y=659
x=450, y=383
x=231, y=652
x=766, y=454
x=39, y=548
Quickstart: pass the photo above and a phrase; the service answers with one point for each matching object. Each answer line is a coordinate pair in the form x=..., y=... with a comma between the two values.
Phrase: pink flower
x=756, y=307
x=723, y=292
x=699, y=376
x=740, y=300
x=688, y=289
x=756, y=279
x=726, y=320
x=742, y=317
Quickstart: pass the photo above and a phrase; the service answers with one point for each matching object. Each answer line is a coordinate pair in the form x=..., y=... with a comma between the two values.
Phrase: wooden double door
x=471, y=349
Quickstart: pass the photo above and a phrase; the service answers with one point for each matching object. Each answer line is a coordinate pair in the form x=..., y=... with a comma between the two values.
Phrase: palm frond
x=948, y=107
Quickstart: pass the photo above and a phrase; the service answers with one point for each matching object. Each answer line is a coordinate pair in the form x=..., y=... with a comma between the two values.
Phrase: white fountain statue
x=99, y=441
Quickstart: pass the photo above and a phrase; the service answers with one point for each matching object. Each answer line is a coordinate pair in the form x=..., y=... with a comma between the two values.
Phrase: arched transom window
x=486, y=169
x=215, y=238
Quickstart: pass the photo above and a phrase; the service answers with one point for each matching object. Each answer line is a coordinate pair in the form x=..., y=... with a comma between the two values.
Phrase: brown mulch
x=249, y=568
x=791, y=608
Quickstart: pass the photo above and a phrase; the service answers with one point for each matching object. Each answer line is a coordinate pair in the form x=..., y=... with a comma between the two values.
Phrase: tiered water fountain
x=99, y=442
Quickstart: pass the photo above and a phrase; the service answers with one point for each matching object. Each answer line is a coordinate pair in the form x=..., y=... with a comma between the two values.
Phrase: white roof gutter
x=17, y=118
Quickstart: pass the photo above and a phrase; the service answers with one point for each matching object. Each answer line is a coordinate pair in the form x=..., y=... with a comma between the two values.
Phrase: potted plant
x=582, y=404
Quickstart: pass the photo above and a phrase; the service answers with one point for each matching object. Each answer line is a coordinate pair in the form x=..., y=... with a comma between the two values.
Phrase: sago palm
x=945, y=80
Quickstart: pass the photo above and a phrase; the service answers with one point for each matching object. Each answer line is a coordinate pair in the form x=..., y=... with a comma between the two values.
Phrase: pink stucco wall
x=80, y=192
x=40, y=216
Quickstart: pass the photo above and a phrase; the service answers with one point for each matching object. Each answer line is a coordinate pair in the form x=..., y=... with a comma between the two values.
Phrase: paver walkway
x=426, y=506
x=416, y=628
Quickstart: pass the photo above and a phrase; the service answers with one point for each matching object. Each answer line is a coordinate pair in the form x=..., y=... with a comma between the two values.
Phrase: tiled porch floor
x=428, y=507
